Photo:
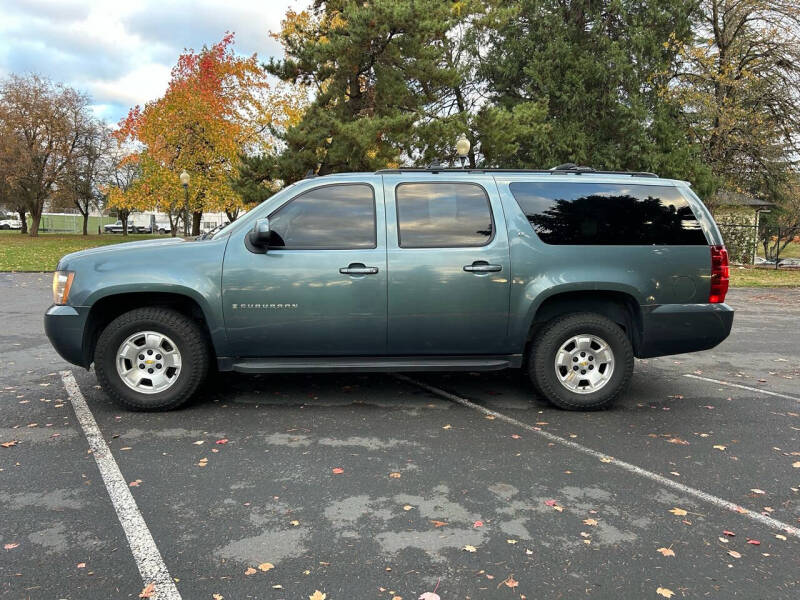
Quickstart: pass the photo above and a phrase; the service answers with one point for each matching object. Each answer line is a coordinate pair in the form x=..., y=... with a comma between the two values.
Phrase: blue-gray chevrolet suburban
x=567, y=273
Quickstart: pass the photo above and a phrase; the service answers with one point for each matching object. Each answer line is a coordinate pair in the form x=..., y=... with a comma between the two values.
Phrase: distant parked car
x=789, y=263
x=11, y=224
x=163, y=227
x=116, y=227
x=760, y=260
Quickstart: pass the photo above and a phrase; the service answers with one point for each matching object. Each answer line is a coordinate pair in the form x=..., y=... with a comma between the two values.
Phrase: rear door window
x=607, y=214
x=443, y=215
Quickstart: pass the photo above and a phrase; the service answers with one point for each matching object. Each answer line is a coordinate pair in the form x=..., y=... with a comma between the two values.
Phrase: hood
x=119, y=249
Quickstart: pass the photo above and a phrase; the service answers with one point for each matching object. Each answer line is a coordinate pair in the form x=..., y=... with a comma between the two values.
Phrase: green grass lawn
x=23, y=253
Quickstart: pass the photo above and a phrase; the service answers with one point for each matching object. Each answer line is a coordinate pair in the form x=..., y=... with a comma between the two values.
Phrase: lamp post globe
x=462, y=148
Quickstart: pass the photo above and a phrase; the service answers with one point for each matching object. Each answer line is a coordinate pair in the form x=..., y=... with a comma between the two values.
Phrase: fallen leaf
x=222, y=441
x=217, y=596
x=337, y=470
x=317, y=595
x=678, y=512
x=448, y=426
x=757, y=491
x=277, y=586
x=606, y=459
x=719, y=447
x=559, y=508
x=677, y=440
x=429, y=596
x=294, y=523
x=796, y=465
x=666, y=551
x=478, y=524
x=198, y=442
x=135, y=483
x=81, y=565
x=511, y=582
x=734, y=554
x=408, y=507
x=550, y=502
x=591, y=522
x=395, y=475
x=9, y=444
x=147, y=592
x=490, y=417
x=754, y=542
x=515, y=436
x=265, y=567
x=666, y=592
x=11, y=546
x=469, y=548
x=512, y=542
x=250, y=571
x=780, y=536
x=729, y=533
x=438, y=524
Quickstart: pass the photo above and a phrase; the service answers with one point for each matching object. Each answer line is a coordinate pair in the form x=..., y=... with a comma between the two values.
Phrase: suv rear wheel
x=151, y=359
x=581, y=361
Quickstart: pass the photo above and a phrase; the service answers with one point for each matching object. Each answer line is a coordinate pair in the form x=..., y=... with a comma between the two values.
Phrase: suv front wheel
x=581, y=361
x=151, y=358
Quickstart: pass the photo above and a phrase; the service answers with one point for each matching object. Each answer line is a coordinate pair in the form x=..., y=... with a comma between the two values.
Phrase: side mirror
x=260, y=236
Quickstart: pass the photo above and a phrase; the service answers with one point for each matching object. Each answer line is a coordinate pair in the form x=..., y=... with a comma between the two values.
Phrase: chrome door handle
x=358, y=269
x=480, y=266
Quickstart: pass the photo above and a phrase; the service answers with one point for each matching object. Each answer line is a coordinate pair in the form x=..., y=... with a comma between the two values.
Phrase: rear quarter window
x=606, y=214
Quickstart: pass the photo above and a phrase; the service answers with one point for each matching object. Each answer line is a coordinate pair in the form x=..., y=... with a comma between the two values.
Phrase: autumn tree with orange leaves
x=217, y=106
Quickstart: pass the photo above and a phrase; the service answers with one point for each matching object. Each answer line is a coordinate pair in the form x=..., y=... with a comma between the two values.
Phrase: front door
x=448, y=266
x=320, y=289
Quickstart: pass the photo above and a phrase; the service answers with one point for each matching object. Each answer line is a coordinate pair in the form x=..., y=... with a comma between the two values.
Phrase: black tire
x=553, y=335
x=162, y=231
x=192, y=344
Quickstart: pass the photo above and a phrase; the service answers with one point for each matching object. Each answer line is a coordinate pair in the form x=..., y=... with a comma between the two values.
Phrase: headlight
x=62, y=281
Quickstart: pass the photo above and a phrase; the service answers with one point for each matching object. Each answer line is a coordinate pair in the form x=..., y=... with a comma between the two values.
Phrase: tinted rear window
x=441, y=215
x=608, y=214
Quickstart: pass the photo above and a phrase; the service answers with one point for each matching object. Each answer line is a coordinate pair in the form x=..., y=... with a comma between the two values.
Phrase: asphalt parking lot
x=372, y=486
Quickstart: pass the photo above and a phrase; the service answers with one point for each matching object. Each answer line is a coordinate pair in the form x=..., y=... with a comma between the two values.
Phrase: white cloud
x=122, y=53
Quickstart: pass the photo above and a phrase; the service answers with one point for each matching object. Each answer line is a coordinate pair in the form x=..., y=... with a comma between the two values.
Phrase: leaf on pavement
x=222, y=441
x=666, y=551
x=294, y=523
x=11, y=546
x=317, y=595
x=478, y=524
x=754, y=542
x=408, y=507
x=591, y=522
x=469, y=548
x=135, y=483
x=734, y=554
x=606, y=459
x=148, y=591
x=448, y=426
x=265, y=567
x=796, y=465
x=81, y=565
x=512, y=542
x=218, y=596
x=666, y=592
x=757, y=491
x=9, y=444
x=678, y=512
x=511, y=582
x=198, y=442
x=250, y=571
x=728, y=533
x=395, y=475
x=719, y=447
x=337, y=470
x=550, y=502
x=429, y=596
x=438, y=524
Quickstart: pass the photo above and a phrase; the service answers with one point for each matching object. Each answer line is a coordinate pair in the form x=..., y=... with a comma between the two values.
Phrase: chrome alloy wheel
x=584, y=363
x=148, y=362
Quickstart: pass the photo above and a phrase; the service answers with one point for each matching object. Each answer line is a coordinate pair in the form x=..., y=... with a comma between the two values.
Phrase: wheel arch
x=619, y=306
x=109, y=307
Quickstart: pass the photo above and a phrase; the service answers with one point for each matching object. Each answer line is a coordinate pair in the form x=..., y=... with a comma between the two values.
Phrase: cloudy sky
x=121, y=52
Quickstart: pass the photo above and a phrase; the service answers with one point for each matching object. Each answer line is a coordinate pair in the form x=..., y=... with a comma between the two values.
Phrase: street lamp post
x=184, y=177
x=462, y=149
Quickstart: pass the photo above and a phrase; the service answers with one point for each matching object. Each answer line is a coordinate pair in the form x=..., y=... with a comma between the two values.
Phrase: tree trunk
x=86, y=224
x=232, y=216
x=23, y=217
x=33, y=231
x=196, y=217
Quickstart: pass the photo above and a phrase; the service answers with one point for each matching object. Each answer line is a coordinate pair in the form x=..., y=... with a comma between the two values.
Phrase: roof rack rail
x=565, y=169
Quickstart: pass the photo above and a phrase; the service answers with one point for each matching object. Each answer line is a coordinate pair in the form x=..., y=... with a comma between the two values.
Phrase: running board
x=336, y=364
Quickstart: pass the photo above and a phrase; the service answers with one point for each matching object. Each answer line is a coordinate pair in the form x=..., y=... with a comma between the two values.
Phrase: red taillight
x=719, y=274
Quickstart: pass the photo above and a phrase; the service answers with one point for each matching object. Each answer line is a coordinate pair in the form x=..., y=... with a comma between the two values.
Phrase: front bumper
x=65, y=326
x=678, y=328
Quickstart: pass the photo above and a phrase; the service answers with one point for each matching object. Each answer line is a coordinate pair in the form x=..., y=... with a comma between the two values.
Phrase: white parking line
x=661, y=480
x=744, y=387
x=145, y=553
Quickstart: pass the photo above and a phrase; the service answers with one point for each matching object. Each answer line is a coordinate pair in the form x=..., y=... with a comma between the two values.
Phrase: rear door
x=447, y=250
